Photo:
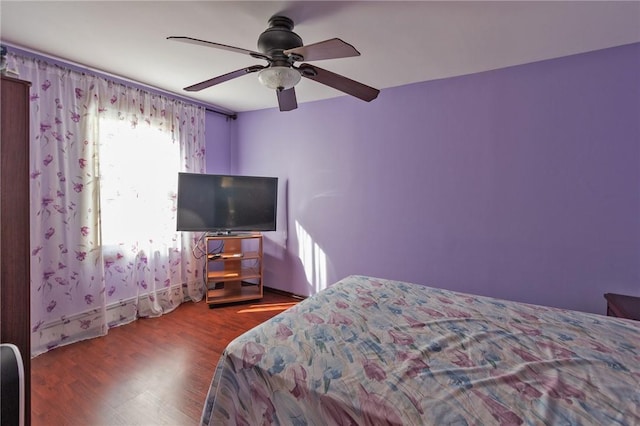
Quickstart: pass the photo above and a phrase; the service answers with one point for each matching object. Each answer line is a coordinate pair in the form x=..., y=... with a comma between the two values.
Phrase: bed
x=369, y=351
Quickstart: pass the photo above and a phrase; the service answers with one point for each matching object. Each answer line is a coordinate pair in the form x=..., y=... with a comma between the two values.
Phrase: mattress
x=370, y=351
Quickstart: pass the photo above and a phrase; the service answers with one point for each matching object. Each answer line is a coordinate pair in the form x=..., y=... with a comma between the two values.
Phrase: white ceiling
x=400, y=42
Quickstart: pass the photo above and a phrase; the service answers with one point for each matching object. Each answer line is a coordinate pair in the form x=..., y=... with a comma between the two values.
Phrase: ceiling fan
x=281, y=48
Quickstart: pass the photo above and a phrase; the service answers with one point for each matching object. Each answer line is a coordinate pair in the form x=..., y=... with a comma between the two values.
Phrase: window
x=139, y=175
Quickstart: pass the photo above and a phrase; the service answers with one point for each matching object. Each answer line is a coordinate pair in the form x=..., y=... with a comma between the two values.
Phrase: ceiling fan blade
x=344, y=84
x=287, y=99
x=222, y=78
x=329, y=49
x=205, y=43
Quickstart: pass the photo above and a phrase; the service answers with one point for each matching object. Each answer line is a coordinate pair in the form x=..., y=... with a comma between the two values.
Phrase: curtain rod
x=84, y=68
x=231, y=116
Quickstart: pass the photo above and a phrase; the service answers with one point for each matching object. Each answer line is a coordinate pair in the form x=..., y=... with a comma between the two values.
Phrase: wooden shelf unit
x=234, y=268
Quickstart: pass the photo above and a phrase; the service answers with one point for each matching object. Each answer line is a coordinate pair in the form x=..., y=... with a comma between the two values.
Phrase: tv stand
x=234, y=268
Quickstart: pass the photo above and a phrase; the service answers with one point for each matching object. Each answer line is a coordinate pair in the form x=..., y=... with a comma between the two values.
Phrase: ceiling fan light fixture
x=279, y=78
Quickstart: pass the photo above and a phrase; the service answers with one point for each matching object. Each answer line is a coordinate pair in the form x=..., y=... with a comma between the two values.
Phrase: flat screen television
x=226, y=203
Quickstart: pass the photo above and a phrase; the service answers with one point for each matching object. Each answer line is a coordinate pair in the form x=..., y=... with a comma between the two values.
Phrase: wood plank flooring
x=153, y=371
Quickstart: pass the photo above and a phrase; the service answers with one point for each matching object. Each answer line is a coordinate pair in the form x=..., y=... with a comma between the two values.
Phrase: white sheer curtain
x=145, y=140
x=88, y=271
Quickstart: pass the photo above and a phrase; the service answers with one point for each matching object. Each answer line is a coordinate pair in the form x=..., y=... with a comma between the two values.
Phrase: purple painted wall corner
x=520, y=183
x=218, y=135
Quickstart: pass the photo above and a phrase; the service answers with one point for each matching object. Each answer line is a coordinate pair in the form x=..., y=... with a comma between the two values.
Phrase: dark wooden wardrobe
x=14, y=220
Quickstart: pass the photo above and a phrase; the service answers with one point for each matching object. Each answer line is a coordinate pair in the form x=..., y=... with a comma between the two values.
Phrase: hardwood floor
x=153, y=371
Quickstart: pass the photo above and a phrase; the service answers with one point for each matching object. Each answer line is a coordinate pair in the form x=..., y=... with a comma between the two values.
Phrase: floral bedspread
x=369, y=351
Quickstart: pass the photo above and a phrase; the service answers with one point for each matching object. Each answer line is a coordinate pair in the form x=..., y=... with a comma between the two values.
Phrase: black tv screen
x=226, y=203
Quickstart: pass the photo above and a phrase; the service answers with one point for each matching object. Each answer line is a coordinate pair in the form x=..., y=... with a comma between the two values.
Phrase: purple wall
x=521, y=183
x=218, y=140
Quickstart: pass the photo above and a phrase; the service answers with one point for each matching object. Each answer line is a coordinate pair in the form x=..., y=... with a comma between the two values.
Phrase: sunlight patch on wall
x=313, y=258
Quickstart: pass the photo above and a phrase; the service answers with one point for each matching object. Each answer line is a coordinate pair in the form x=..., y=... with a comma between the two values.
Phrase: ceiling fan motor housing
x=278, y=37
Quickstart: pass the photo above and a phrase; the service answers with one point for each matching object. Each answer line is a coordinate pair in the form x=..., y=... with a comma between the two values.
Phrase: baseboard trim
x=97, y=321
x=284, y=293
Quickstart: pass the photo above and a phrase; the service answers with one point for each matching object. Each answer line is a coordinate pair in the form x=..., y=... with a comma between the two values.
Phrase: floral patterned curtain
x=85, y=276
x=145, y=140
